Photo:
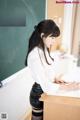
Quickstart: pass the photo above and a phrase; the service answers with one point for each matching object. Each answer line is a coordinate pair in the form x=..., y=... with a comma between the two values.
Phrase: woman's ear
x=42, y=35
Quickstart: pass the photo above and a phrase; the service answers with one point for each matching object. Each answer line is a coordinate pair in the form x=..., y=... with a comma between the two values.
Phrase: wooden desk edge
x=60, y=99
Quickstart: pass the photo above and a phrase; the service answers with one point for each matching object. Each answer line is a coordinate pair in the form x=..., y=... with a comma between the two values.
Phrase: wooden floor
x=28, y=117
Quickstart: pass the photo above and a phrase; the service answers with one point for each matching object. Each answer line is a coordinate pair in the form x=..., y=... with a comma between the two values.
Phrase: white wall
x=14, y=95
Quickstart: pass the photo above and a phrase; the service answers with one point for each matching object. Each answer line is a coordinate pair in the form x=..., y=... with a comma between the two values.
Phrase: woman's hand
x=58, y=80
x=67, y=85
x=70, y=86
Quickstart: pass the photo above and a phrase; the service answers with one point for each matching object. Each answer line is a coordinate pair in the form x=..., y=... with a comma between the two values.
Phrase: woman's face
x=49, y=41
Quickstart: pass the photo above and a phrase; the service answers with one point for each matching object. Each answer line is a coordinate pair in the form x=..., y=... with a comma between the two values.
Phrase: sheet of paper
x=73, y=75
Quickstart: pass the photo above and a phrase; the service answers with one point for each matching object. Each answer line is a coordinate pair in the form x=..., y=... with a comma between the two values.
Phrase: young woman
x=42, y=65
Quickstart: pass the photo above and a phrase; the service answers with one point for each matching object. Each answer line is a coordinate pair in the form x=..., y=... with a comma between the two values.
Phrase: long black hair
x=47, y=27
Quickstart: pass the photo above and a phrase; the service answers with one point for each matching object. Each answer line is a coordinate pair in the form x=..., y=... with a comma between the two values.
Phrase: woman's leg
x=37, y=106
x=37, y=114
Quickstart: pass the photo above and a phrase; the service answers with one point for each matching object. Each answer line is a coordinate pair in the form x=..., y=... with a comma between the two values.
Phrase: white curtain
x=76, y=31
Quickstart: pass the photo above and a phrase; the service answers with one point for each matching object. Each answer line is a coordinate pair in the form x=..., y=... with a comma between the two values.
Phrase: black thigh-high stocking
x=37, y=114
x=37, y=117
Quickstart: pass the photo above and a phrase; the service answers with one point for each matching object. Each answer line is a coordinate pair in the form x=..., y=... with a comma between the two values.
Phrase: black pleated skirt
x=37, y=105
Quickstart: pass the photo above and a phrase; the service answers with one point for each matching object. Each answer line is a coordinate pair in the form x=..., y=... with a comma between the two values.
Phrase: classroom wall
x=14, y=38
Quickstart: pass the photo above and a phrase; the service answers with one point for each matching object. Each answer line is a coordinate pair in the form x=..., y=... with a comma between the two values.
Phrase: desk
x=61, y=107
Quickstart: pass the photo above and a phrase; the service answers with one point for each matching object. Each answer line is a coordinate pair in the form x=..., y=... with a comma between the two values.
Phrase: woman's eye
x=52, y=37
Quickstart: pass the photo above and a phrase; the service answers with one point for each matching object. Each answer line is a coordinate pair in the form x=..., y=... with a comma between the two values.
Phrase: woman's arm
x=67, y=85
x=70, y=86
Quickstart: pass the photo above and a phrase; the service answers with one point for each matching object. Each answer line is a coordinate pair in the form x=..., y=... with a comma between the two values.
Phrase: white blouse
x=43, y=73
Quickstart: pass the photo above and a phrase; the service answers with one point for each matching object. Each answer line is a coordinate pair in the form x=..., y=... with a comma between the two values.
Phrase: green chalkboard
x=14, y=39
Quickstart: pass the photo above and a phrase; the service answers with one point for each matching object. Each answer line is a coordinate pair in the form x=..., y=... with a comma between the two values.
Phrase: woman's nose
x=53, y=42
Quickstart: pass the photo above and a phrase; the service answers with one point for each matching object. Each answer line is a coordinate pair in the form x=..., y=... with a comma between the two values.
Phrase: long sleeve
x=39, y=73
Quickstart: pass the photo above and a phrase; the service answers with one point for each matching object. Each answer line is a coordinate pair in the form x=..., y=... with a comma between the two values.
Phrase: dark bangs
x=52, y=29
x=55, y=32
